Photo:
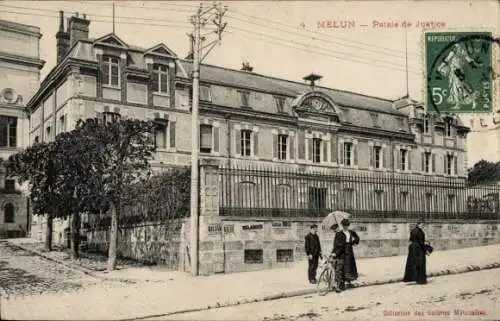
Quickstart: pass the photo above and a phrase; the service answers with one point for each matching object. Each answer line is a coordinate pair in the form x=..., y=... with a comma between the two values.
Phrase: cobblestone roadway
x=475, y=291
x=22, y=273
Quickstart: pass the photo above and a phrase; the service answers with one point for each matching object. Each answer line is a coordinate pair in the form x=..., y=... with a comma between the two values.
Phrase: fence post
x=210, y=238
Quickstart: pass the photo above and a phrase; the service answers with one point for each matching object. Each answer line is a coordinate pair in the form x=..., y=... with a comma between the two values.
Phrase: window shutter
x=433, y=163
x=455, y=161
x=237, y=137
x=333, y=150
x=372, y=156
x=301, y=140
x=172, y=134
x=101, y=77
x=325, y=150
x=310, y=148
x=341, y=152
x=408, y=153
x=216, y=131
x=275, y=146
x=386, y=157
x=291, y=146
x=355, y=154
x=423, y=161
x=445, y=164
x=255, y=143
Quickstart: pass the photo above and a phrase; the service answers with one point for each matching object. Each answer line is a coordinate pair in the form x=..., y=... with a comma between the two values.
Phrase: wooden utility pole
x=200, y=20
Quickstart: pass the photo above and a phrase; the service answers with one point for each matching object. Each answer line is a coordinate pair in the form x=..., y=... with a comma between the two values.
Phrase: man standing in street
x=313, y=251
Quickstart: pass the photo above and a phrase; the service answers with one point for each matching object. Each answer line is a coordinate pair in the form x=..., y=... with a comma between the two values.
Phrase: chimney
x=78, y=28
x=246, y=67
x=62, y=38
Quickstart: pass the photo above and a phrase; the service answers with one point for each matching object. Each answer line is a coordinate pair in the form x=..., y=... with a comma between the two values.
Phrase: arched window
x=9, y=212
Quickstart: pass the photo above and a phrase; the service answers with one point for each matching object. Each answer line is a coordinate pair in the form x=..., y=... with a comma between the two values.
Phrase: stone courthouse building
x=252, y=128
x=20, y=66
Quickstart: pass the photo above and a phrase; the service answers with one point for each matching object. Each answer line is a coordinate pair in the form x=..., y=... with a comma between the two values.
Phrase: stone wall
x=235, y=246
x=156, y=243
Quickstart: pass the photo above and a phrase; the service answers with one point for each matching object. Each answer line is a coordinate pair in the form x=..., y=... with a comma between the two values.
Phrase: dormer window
x=244, y=95
x=160, y=79
x=427, y=126
x=205, y=93
x=280, y=104
x=111, y=72
x=448, y=128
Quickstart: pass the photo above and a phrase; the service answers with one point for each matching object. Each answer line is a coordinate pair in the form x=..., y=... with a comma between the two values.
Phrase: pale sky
x=280, y=39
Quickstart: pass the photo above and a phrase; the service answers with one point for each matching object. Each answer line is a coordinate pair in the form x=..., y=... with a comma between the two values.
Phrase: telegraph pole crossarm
x=199, y=20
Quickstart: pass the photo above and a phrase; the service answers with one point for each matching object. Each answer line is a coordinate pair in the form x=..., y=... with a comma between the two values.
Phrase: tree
x=484, y=172
x=36, y=165
x=119, y=152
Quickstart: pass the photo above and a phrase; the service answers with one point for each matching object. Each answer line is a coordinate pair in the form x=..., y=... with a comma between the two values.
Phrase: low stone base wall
x=229, y=245
x=152, y=243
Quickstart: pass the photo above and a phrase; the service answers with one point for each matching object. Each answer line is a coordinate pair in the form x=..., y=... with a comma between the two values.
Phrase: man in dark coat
x=415, y=270
x=338, y=252
x=313, y=252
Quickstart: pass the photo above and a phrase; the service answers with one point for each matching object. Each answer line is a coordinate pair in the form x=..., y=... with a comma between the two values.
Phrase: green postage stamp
x=459, y=71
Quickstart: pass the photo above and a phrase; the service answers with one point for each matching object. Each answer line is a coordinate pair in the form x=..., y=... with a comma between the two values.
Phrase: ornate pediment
x=111, y=39
x=316, y=105
x=161, y=49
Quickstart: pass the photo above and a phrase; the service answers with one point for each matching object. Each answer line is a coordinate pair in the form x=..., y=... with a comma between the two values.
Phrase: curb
x=295, y=293
x=84, y=270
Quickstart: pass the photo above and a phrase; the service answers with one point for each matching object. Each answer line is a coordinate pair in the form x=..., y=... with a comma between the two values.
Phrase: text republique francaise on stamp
x=459, y=71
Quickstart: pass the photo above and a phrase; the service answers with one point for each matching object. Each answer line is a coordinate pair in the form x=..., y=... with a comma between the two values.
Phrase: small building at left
x=20, y=66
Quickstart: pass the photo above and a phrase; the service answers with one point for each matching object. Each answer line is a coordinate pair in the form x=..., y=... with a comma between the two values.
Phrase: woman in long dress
x=415, y=270
x=352, y=239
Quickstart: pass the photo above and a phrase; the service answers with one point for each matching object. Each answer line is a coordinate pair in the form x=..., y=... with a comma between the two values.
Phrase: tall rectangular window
x=282, y=146
x=377, y=155
x=160, y=79
x=205, y=138
x=403, y=158
x=244, y=98
x=427, y=162
x=8, y=131
x=449, y=164
x=110, y=117
x=348, y=161
x=246, y=142
x=160, y=137
x=111, y=71
x=316, y=156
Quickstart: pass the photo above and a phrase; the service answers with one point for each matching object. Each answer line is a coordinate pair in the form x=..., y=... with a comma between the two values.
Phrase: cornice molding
x=23, y=60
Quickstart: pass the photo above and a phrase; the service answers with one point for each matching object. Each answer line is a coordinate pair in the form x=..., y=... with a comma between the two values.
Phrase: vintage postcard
x=249, y=160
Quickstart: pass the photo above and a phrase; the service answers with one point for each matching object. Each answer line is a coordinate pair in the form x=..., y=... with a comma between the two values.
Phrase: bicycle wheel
x=324, y=282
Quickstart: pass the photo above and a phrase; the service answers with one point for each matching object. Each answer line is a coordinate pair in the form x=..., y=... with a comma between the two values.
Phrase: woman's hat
x=334, y=226
x=345, y=222
x=314, y=226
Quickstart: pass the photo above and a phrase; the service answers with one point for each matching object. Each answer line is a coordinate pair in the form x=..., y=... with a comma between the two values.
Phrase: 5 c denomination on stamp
x=459, y=71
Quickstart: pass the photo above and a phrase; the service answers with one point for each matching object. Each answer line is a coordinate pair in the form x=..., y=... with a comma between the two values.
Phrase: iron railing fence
x=251, y=192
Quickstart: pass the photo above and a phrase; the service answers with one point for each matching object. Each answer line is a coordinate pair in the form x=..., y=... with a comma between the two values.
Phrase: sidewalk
x=178, y=292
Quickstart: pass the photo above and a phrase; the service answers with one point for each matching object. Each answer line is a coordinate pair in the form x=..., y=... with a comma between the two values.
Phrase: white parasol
x=334, y=217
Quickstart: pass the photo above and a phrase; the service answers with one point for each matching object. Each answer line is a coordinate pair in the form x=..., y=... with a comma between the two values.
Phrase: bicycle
x=326, y=277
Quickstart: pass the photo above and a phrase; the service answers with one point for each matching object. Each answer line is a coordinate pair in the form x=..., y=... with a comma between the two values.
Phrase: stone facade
x=246, y=120
x=20, y=66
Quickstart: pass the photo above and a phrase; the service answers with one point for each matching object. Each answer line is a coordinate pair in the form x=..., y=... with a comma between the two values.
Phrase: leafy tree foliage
x=484, y=172
x=120, y=154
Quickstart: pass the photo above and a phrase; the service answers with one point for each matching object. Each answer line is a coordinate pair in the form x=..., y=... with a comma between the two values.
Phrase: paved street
x=476, y=291
x=22, y=273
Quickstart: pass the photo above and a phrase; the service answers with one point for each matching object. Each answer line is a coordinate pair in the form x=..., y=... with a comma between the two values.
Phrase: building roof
x=259, y=82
